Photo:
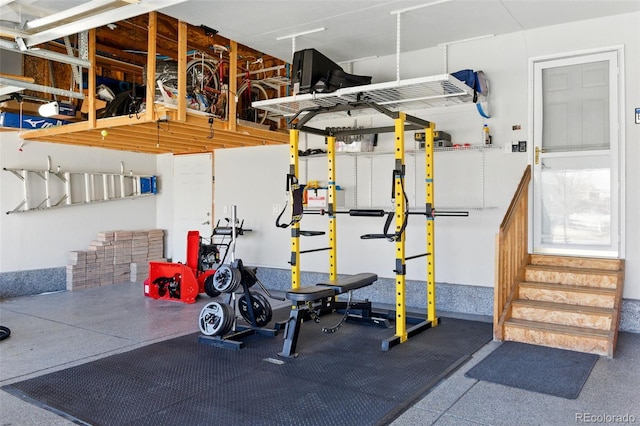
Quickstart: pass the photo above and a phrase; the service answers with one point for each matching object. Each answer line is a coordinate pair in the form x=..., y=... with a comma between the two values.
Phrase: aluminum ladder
x=48, y=189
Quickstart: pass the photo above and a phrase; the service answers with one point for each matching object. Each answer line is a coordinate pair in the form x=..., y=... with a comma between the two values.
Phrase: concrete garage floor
x=55, y=331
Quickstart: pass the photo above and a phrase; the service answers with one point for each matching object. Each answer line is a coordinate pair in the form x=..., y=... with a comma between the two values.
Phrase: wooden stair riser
x=562, y=317
x=568, y=303
x=594, y=345
x=577, y=262
x=573, y=277
x=567, y=296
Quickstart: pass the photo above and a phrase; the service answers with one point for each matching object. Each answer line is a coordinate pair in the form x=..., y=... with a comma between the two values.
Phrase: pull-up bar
x=382, y=213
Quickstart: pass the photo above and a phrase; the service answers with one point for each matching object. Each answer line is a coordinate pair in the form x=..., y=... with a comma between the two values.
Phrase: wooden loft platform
x=158, y=135
x=164, y=128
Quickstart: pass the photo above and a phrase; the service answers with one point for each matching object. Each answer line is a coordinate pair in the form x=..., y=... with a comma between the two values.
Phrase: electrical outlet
x=276, y=209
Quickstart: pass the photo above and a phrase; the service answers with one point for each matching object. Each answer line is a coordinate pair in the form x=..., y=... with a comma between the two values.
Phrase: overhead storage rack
x=410, y=94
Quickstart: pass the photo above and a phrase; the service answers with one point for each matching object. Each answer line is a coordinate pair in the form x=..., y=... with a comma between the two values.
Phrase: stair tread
x=573, y=261
x=582, y=309
x=572, y=269
x=564, y=329
x=569, y=287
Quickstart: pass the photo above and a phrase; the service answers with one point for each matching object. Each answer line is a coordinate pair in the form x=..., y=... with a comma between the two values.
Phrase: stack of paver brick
x=115, y=257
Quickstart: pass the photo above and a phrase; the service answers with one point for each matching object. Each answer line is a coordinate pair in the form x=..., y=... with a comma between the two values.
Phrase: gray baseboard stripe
x=34, y=281
x=454, y=298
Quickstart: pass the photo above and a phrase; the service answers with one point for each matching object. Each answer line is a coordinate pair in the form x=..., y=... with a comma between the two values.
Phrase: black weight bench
x=311, y=301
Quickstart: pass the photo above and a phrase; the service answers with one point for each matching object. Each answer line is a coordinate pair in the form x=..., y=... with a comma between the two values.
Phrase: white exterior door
x=193, y=199
x=576, y=160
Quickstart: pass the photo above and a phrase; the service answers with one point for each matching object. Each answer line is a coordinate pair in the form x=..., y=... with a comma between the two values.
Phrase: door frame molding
x=621, y=150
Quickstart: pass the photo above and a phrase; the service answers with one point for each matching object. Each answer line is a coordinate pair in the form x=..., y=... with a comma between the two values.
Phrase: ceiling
x=352, y=29
x=355, y=29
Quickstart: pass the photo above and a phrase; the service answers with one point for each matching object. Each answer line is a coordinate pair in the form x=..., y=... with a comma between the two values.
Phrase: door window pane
x=576, y=107
x=576, y=201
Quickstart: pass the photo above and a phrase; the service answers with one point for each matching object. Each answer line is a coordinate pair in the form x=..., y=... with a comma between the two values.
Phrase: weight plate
x=229, y=319
x=4, y=332
x=209, y=286
x=244, y=310
x=261, y=309
x=214, y=319
x=226, y=279
x=267, y=305
x=237, y=280
x=222, y=278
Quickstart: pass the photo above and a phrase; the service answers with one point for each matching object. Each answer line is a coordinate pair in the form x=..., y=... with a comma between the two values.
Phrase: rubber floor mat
x=550, y=371
x=337, y=379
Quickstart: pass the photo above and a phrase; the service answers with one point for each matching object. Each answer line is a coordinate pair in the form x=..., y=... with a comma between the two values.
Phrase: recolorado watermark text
x=603, y=418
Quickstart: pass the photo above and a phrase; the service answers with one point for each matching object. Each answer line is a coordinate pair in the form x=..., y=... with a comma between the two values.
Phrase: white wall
x=42, y=239
x=464, y=246
x=253, y=178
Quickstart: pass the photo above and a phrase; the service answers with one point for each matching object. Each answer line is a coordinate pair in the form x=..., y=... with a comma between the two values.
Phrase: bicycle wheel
x=203, y=83
x=246, y=97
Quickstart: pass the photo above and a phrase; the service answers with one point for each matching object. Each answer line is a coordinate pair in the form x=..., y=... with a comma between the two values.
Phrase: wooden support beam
x=150, y=82
x=139, y=145
x=18, y=77
x=182, y=71
x=91, y=83
x=233, y=85
x=177, y=136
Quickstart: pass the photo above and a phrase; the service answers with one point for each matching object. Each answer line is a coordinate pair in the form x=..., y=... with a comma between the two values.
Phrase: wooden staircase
x=562, y=302
x=567, y=302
